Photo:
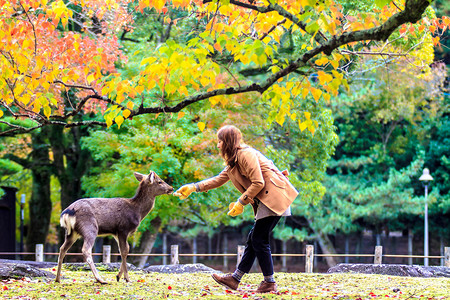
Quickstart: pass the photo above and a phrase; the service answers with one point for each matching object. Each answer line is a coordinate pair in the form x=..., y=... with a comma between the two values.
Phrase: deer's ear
x=138, y=176
x=152, y=176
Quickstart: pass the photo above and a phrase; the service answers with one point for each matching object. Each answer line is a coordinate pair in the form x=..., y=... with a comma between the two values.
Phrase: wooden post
x=309, y=264
x=378, y=255
x=174, y=255
x=39, y=252
x=447, y=257
x=106, y=254
x=240, y=253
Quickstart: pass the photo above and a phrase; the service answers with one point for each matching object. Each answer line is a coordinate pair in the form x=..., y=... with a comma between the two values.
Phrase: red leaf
x=5, y=287
x=169, y=287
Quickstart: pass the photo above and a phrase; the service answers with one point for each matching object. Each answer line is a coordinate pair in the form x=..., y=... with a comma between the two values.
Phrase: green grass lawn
x=81, y=285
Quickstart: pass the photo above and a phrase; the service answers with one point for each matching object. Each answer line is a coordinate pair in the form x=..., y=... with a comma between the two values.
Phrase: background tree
x=39, y=64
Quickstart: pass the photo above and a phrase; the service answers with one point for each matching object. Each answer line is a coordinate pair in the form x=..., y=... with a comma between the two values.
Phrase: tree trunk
x=326, y=245
x=70, y=164
x=40, y=206
x=148, y=239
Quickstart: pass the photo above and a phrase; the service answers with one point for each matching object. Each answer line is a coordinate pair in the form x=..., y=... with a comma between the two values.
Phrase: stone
x=110, y=267
x=40, y=265
x=391, y=269
x=185, y=268
x=19, y=271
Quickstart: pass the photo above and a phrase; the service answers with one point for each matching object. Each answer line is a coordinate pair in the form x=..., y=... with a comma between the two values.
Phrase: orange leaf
x=218, y=47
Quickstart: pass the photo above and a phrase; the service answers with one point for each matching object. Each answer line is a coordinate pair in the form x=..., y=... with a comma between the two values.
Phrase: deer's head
x=152, y=185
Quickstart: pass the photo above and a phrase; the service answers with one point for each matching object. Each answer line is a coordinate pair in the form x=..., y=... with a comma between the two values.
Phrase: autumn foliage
x=49, y=48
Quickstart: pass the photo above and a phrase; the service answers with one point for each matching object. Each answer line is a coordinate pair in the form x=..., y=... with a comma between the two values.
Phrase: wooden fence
x=175, y=255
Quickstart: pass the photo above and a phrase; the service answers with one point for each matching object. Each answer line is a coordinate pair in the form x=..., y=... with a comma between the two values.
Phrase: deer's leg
x=124, y=248
x=89, y=238
x=68, y=242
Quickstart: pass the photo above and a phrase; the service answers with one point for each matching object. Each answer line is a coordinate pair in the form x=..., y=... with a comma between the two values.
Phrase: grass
x=81, y=285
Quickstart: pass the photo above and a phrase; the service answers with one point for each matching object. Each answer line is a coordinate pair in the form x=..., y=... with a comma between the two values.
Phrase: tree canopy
x=51, y=48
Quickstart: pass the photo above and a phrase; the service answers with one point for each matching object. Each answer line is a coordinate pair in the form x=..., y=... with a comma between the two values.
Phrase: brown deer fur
x=120, y=217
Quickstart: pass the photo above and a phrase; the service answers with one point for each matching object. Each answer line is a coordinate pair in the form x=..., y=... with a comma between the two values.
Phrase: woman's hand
x=236, y=208
x=184, y=191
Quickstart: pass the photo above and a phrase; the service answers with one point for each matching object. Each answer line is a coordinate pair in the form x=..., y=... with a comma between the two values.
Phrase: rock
x=186, y=268
x=111, y=267
x=41, y=265
x=396, y=270
x=19, y=270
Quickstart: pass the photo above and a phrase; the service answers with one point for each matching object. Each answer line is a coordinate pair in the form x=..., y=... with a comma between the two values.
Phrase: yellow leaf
x=201, y=126
x=280, y=118
x=254, y=58
x=47, y=111
x=119, y=120
x=26, y=43
x=334, y=63
x=25, y=99
x=1, y=113
x=293, y=116
x=108, y=120
x=324, y=77
x=180, y=115
x=316, y=93
x=307, y=115
x=302, y=125
x=36, y=107
x=130, y=105
x=90, y=78
x=322, y=61
x=126, y=113
x=305, y=92
x=312, y=129
x=244, y=59
x=139, y=89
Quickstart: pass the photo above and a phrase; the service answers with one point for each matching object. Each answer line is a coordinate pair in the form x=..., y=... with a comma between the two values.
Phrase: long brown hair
x=231, y=138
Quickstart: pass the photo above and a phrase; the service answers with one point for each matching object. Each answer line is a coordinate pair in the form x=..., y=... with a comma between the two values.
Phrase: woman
x=264, y=187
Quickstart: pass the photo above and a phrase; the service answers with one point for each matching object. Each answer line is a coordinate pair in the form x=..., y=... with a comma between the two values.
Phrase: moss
x=81, y=285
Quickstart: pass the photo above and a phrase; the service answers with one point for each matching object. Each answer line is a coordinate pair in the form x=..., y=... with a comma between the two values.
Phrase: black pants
x=258, y=246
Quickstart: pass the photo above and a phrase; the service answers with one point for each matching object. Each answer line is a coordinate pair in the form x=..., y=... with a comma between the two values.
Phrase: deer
x=88, y=218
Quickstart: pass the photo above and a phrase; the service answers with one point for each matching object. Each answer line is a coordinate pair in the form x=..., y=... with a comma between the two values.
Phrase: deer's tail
x=67, y=220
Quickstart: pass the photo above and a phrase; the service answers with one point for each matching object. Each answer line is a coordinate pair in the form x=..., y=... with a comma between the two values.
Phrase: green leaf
x=382, y=3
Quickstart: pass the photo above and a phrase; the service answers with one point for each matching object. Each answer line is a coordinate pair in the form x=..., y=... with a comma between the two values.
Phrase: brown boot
x=227, y=281
x=266, y=287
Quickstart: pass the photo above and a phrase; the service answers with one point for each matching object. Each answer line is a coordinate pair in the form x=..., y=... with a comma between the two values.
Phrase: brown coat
x=255, y=176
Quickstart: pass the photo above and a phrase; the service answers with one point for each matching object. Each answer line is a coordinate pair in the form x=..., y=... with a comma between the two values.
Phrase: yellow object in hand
x=184, y=191
x=236, y=208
